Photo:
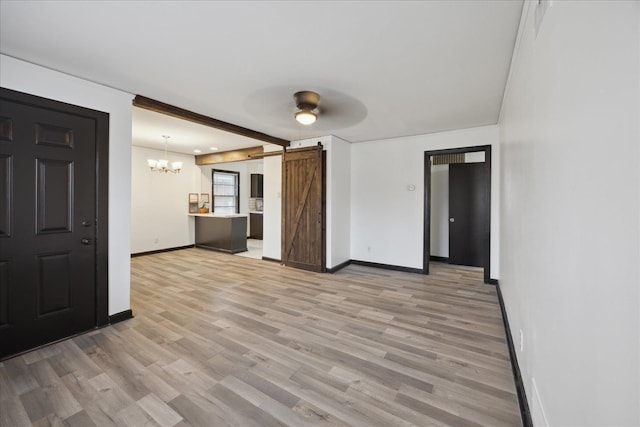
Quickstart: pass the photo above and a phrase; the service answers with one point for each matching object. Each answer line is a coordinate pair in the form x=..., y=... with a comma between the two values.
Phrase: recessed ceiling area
x=149, y=126
x=382, y=68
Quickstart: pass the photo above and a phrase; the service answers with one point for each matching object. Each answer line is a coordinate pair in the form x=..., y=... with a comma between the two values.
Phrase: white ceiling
x=382, y=69
x=184, y=136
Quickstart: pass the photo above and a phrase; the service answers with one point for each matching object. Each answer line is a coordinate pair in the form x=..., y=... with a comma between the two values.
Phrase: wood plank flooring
x=220, y=340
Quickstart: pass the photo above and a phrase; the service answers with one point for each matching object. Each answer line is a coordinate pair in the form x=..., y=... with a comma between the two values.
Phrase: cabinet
x=225, y=233
x=255, y=225
x=256, y=185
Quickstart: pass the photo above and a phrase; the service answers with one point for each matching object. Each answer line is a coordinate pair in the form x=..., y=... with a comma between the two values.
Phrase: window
x=226, y=191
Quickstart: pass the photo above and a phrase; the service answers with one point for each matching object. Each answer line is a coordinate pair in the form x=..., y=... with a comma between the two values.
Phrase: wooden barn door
x=303, y=209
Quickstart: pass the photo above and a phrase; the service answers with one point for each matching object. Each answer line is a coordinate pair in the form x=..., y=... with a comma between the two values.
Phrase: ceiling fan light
x=306, y=117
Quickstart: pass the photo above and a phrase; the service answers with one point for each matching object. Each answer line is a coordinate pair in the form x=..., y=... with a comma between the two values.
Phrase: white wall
x=159, y=206
x=272, y=213
x=570, y=209
x=440, y=210
x=254, y=166
x=387, y=220
x=339, y=170
x=35, y=80
x=474, y=157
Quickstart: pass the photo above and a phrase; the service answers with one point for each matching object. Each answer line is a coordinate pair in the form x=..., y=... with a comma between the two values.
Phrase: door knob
x=86, y=223
x=452, y=220
x=85, y=241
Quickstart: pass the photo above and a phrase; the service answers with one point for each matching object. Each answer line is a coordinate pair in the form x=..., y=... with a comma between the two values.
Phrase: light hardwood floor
x=222, y=340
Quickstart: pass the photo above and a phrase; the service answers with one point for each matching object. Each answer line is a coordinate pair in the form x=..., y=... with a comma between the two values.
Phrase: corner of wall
x=340, y=159
x=40, y=81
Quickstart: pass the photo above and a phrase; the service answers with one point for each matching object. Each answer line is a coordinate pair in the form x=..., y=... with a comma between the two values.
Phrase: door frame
x=101, y=247
x=426, y=253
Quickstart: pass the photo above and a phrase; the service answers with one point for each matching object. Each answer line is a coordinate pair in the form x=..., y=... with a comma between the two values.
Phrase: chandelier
x=163, y=164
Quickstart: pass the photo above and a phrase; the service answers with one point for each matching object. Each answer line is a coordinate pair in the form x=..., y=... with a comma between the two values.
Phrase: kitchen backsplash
x=255, y=204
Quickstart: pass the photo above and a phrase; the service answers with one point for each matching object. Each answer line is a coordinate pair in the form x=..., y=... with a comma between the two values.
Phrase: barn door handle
x=452, y=220
x=85, y=241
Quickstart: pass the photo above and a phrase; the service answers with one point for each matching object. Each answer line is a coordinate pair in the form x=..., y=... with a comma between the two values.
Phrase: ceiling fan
x=331, y=109
x=307, y=102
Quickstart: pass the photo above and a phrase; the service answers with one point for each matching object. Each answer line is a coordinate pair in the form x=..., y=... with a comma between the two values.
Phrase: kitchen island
x=221, y=232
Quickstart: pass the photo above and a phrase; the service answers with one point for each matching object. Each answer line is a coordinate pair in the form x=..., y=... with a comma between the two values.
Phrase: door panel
x=6, y=129
x=53, y=192
x=47, y=254
x=47, y=134
x=467, y=210
x=54, y=283
x=4, y=288
x=5, y=195
x=303, y=209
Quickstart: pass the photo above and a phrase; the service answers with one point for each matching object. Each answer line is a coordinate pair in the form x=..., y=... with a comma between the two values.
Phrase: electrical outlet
x=521, y=340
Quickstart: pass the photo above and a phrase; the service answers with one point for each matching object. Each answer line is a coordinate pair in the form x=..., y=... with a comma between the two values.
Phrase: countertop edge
x=213, y=215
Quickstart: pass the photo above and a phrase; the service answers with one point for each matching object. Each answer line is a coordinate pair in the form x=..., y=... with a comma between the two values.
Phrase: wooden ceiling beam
x=267, y=154
x=170, y=110
x=229, y=156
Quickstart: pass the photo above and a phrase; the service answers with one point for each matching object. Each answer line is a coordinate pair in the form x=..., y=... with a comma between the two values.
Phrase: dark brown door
x=303, y=244
x=467, y=210
x=47, y=225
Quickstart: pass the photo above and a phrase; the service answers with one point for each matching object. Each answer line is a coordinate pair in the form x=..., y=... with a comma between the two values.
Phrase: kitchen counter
x=219, y=215
x=221, y=232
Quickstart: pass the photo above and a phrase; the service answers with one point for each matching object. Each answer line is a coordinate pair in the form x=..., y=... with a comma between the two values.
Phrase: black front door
x=47, y=225
x=467, y=210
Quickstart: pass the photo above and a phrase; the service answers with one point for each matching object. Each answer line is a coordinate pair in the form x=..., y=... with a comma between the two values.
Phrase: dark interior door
x=303, y=244
x=47, y=225
x=467, y=210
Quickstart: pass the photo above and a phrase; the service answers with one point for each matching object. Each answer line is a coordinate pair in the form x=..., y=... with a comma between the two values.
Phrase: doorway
x=53, y=224
x=475, y=199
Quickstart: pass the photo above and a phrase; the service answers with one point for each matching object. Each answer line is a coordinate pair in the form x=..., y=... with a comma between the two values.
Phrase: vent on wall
x=446, y=159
